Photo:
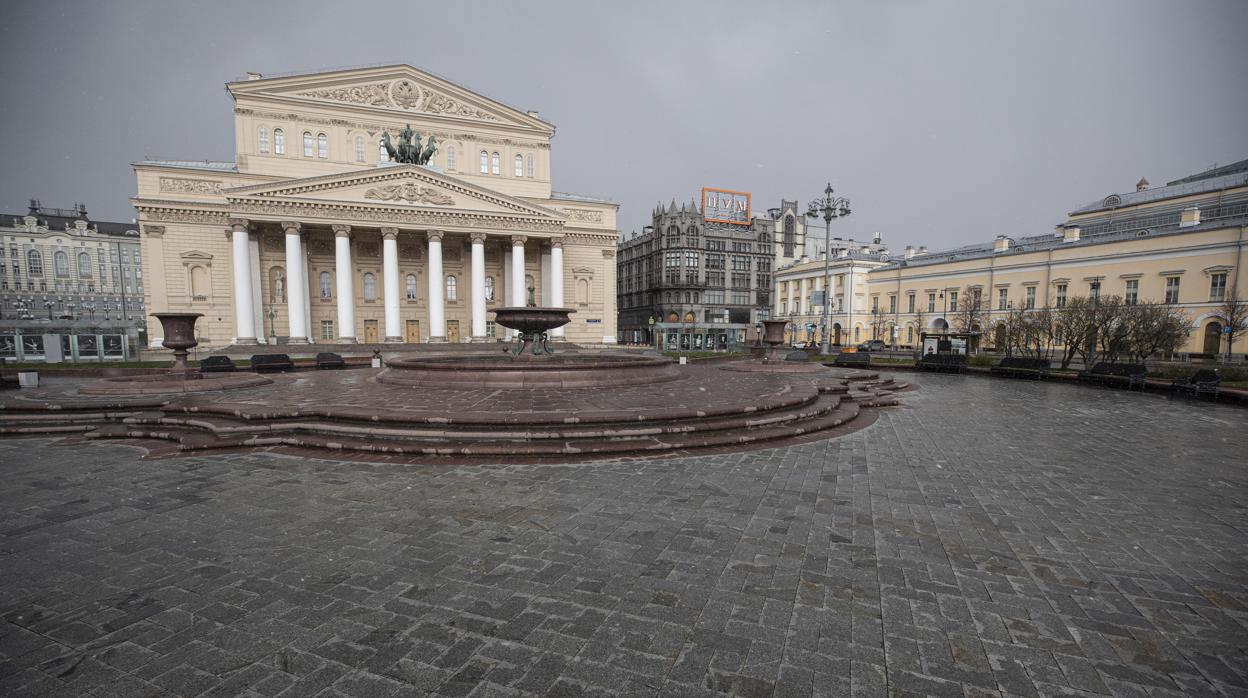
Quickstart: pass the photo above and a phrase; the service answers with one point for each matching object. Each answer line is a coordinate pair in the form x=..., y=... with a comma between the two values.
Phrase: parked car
x=799, y=345
x=872, y=345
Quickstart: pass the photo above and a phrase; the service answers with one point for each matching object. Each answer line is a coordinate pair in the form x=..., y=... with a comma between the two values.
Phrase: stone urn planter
x=533, y=324
x=179, y=331
x=773, y=335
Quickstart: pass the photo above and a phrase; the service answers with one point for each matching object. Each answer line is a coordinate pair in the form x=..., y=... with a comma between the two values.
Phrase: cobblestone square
x=989, y=537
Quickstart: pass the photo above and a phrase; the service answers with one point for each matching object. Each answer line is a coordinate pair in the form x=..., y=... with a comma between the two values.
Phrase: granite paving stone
x=987, y=538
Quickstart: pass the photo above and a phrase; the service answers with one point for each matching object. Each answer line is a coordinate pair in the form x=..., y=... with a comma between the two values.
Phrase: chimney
x=922, y=249
x=1002, y=244
x=1191, y=216
x=1141, y=185
x=803, y=260
x=1070, y=233
x=34, y=207
x=253, y=76
x=876, y=237
x=82, y=211
x=532, y=113
x=909, y=251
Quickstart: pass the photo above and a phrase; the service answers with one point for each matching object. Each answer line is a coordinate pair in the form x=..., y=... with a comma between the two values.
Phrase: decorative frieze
x=583, y=215
x=413, y=218
x=183, y=216
x=183, y=185
x=403, y=94
x=411, y=192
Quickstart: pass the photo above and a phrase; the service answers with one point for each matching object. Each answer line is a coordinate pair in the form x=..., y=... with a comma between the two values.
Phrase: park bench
x=328, y=359
x=797, y=355
x=216, y=364
x=1022, y=367
x=944, y=363
x=852, y=359
x=1206, y=381
x=265, y=363
x=1130, y=376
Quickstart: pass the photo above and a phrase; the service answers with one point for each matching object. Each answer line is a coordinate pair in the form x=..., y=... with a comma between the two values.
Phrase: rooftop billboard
x=725, y=206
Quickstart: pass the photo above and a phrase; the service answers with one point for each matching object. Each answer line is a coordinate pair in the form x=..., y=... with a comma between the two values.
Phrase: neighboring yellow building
x=800, y=286
x=313, y=234
x=1184, y=244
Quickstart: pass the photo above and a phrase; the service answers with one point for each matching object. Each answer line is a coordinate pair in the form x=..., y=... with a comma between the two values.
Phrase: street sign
x=816, y=297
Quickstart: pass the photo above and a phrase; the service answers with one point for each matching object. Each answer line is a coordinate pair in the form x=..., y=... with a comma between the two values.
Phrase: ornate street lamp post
x=829, y=207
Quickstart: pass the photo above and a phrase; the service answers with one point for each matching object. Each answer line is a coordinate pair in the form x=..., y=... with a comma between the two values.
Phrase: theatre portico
x=348, y=239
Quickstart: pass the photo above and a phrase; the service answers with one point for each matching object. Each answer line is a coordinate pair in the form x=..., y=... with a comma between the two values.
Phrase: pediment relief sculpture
x=403, y=94
x=410, y=192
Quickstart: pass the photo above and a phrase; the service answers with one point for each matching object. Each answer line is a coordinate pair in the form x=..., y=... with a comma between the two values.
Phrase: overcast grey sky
x=944, y=122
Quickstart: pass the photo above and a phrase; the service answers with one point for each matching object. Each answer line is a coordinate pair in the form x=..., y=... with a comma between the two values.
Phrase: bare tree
x=1077, y=326
x=1234, y=311
x=1153, y=328
x=877, y=321
x=971, y=312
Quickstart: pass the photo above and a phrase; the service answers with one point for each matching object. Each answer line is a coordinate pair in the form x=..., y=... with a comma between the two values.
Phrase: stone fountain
x=533, y=326
x=532, y=363
x=179, y=331
x=773, y=335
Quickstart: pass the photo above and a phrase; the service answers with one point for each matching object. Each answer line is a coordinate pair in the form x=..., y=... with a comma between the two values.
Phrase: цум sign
x=725, y=206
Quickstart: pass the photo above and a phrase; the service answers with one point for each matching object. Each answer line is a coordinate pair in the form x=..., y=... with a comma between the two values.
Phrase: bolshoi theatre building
x=372, y=205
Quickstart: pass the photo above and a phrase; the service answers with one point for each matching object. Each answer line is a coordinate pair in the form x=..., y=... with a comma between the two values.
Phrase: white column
x=345, y=284
x=308, y=286
x=257, y=300
x=390, y=282
x=295, y=282
x=437, y=289
x=507, y=286
x=518, y=291
x=544, y=298
x=478, y=287
x=556, y=280
x=244, y=321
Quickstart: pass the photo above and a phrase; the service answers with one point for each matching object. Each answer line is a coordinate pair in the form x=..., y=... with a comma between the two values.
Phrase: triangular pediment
x=399, y=89
x=401, y=186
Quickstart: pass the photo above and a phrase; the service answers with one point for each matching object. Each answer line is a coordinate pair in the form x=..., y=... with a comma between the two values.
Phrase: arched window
x=495, y=164
x=61, y=261
x=451, y=288
x=279, y=141
x=359, y=148
x=327, y=285
x=307, y=144
x=382, y=155
x=370, y=287
x=322, y=145
x=34, y=263
x=485, y=162
x=264, y=139
x=582, y=291
x=530, y=164
x=857, y=333
x=450, y=158
x=489, y=288
x=910, y=334
x=199, y=283
x=410, y=282
x=84, y=265
x=519, y=166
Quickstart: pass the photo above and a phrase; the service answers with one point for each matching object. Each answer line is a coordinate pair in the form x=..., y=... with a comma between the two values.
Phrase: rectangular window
x=1172, y=289
x=691, y=258
x=1031, y=297
x=327, y=329
x=1003, y=298
x=910, y=303
x=1132, y=294
x=1094, y=290
x=953, y=301
x=892, y=304
x=1217, y=287
x=1061, y=295
x=875, y=304
x=931, y=302
x=489, y=328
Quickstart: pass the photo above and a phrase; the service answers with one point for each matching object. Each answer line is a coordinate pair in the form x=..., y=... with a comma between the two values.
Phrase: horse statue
x=409, y=149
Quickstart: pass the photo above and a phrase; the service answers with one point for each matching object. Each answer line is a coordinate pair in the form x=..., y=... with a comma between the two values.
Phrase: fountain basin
x=563, y=371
